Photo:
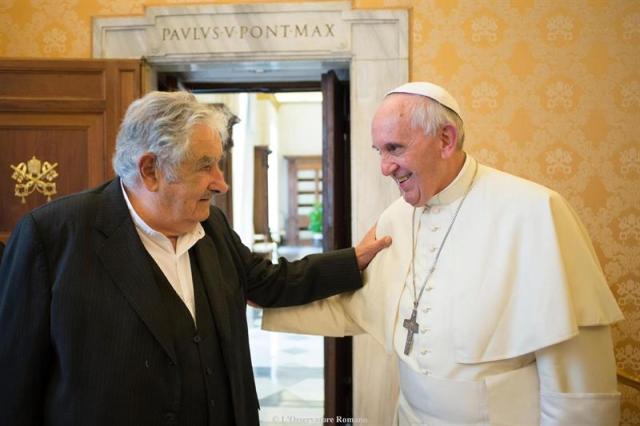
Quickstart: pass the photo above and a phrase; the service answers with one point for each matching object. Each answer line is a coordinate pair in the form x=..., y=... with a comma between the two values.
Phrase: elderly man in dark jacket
x=125, y=304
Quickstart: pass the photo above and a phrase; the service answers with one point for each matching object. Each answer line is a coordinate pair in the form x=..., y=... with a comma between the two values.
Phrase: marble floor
x=288, y=369
x=289, y=375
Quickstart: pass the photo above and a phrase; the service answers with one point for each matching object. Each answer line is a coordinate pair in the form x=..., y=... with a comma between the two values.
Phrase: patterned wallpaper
x=550, y=89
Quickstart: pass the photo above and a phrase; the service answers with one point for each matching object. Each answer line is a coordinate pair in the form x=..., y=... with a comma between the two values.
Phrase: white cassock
x=514, y=321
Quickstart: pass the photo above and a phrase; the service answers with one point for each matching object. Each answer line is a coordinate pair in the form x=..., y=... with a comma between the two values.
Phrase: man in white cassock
x=491, y=295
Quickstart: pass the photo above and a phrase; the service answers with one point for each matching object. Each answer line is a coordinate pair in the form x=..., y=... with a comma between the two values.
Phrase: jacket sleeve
x=294, y=283
x=578, y=380
x=25, y=350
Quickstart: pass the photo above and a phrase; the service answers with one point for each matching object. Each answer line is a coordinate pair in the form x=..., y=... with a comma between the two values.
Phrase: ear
x=149, y=173
x=448, y=140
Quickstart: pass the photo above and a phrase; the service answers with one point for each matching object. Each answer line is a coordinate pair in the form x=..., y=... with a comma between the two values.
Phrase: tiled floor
x=288, y=369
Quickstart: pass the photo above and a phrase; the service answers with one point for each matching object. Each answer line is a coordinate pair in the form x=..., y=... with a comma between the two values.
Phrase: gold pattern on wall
x=550, y=90
x=44, y=28
x=35, y=175
x=120, y=7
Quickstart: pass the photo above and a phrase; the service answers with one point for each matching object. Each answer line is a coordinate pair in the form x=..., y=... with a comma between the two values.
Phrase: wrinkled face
x=185, y=202
x=407, y=155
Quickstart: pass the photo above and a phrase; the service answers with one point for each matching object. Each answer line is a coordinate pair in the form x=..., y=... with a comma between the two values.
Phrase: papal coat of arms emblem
x=35, y=175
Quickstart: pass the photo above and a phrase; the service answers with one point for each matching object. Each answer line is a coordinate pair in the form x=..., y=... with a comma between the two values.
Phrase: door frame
x=338, y=368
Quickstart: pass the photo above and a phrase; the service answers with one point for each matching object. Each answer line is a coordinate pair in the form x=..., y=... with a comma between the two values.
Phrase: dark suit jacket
x=83, y=337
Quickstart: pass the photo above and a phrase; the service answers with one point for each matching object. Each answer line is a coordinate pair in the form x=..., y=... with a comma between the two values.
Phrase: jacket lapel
x=218, y=291
x=123, y=256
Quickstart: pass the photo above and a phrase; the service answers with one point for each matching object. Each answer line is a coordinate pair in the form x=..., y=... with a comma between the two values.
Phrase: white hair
x=431, y=116
x=161, y=123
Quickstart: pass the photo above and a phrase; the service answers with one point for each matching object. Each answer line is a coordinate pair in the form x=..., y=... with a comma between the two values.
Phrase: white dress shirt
x=174, y=263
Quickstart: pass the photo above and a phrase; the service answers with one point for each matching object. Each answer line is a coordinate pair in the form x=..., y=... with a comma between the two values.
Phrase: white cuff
x=597, y=409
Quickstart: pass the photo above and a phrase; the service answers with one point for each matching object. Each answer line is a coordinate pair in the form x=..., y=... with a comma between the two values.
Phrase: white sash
x=510, y=398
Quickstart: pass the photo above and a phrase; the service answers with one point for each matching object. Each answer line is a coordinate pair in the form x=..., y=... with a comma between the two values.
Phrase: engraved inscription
x=257, y=32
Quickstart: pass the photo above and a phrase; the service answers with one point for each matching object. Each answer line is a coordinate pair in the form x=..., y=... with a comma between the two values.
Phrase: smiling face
x=421, y=165
x=179, y=205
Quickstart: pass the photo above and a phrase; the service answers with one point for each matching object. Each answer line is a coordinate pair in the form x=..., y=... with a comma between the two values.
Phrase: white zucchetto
x=432, y=91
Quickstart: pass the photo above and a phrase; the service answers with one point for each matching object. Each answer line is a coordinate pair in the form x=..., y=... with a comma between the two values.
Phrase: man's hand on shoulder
x=369, y=246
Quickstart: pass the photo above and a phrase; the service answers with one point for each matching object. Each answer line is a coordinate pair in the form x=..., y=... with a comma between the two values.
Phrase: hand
x=368, y=247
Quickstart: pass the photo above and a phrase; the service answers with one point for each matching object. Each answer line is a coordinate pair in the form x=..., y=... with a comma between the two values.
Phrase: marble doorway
x=282, y=40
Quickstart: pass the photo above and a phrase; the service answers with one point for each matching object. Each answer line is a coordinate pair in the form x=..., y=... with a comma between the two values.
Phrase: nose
x=217, y=184
x=387, y=167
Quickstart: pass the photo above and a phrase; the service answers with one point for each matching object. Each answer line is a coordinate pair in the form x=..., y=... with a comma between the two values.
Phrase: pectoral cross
x=412, y=327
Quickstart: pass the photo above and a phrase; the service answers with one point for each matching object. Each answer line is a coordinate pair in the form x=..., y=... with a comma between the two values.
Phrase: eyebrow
x=387, y=145
x=204, y=161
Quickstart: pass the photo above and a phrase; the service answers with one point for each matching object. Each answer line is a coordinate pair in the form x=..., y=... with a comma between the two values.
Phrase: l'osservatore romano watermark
x=323, y=420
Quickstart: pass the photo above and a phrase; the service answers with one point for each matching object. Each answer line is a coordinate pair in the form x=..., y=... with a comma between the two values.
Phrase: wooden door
x=58, y=124
x=336, y=197
x=304, y=177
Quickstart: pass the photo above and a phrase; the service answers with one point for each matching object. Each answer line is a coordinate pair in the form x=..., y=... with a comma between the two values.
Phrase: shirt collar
x=185, y=241
x=458, y=186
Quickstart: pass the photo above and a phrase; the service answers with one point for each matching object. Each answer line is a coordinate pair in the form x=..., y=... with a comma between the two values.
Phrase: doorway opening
x=283, y=169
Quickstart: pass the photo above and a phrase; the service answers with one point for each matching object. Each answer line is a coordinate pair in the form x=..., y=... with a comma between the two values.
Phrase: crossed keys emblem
x=35, y=175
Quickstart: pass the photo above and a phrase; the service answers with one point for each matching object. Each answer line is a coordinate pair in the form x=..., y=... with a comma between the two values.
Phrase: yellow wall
x=550, y=88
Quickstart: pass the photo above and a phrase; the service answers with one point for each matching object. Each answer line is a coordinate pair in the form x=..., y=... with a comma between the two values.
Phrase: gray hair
x=431, y=116
x=161, y=123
